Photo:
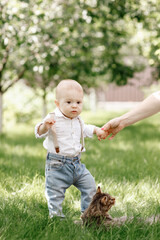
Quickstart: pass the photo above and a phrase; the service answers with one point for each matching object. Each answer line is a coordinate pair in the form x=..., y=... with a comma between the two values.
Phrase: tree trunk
x=44, y=111
x=1, y=111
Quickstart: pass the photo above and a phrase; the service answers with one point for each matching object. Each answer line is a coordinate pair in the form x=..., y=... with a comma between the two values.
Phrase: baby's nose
x=74, y=105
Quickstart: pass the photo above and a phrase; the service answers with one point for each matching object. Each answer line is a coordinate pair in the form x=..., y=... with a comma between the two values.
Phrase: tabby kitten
x=97, y=212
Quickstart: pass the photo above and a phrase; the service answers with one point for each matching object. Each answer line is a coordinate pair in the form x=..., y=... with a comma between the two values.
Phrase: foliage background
x=91, y=41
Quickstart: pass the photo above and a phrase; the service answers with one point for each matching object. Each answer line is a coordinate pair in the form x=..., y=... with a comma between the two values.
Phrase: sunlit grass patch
x=133, y=198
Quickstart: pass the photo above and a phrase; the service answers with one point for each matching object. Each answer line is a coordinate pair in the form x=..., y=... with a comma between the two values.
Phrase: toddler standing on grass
x=64, y=133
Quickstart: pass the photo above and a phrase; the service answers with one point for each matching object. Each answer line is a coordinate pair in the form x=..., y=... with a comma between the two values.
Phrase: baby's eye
x=68, y=102
x=78, y=102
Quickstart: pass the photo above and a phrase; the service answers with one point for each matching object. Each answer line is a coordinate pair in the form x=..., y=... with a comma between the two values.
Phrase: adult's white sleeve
x=157, y=95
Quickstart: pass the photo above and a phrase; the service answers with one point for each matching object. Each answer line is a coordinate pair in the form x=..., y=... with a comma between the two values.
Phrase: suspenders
x=82, y=137
x=54, y=135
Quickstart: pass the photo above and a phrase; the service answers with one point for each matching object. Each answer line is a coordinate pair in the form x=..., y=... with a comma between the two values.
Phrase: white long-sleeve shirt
x=68, y=133
x=157, y=95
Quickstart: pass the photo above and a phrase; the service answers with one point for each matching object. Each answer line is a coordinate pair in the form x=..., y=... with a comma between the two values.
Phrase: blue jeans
x=62, y=172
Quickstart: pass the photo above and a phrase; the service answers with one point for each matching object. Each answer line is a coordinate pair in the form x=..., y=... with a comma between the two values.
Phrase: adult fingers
x=106, y=127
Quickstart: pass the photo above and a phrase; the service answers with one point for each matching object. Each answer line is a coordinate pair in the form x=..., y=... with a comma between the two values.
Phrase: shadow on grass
x=21, y=220
x=21, y=155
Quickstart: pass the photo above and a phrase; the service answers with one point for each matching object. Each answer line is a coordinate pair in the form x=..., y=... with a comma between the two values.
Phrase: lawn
x=127, y=167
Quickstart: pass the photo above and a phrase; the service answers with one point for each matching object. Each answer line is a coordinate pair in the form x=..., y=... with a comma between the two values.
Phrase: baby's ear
x=56, y=102
x=98, y=190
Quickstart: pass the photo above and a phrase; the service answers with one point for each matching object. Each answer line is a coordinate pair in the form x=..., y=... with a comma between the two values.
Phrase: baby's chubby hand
x=45, y=126
x=101, y=134
x=48, y=123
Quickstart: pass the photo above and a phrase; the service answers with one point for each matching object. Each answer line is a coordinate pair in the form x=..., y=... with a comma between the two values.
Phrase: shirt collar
x=58, y=113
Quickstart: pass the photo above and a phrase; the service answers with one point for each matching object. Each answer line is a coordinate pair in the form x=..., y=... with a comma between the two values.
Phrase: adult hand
x=113, y=127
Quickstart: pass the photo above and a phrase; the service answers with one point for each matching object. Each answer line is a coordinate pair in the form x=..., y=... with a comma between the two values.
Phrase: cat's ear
x=98, y=190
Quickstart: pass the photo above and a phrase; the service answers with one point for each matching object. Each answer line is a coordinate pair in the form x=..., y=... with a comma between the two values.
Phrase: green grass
x=126, y=167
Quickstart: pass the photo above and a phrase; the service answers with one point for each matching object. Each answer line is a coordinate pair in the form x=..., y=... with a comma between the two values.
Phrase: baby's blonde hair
x=67, y=84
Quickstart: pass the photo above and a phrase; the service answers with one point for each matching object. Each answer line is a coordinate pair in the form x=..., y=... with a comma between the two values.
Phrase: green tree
x=146, y=18
x=76, y=40
x=151, y=24
x=12, y=32
x=46, y=41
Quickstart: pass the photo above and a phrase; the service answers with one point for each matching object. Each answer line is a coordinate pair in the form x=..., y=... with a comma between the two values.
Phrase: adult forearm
x=147, y=108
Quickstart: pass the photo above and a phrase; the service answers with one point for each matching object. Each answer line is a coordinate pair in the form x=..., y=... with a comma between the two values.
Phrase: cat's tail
x=153, y=219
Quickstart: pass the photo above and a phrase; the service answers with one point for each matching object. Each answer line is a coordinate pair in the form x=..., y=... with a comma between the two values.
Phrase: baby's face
x=71, y=102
